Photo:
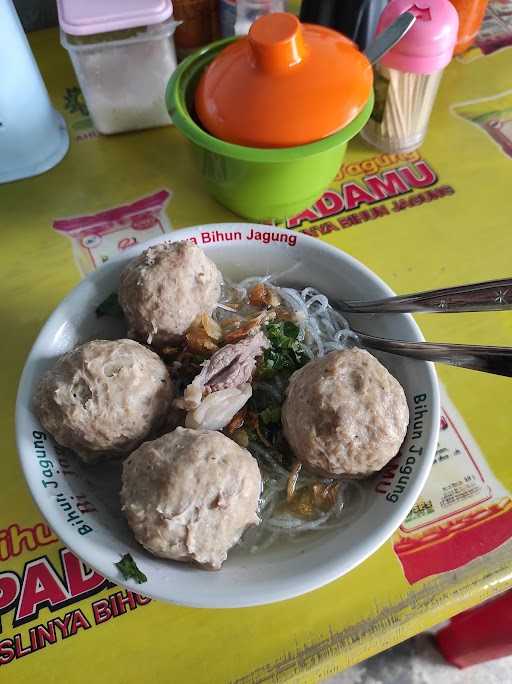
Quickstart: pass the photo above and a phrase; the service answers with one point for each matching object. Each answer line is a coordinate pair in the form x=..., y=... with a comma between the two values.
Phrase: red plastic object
x=471, y=14
x=478, y=635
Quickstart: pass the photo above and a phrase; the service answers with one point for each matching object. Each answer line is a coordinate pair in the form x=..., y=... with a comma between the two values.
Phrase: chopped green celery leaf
x=290, y=330
x=286, y=353
x=110, y=307
x=271, y=414
x=129, y=570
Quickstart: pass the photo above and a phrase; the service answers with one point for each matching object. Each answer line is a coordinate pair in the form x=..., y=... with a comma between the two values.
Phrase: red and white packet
x=96, y=238
x=463, y=512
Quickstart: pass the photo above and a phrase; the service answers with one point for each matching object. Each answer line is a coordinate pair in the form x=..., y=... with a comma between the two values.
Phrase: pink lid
x=85, y=17
x=428, y=46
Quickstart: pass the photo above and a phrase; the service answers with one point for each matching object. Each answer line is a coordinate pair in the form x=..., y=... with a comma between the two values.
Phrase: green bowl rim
x=182, y=119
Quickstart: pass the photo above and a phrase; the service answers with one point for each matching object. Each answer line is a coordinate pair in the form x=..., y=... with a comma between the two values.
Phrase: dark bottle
x=356, y=19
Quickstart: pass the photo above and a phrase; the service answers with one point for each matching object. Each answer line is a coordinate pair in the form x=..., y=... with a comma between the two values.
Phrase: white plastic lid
x=86, y=17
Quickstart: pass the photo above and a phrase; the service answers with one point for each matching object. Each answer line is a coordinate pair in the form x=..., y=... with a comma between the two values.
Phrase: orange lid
x=285, y=84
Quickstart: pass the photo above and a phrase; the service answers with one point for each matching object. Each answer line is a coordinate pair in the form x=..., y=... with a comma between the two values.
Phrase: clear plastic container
x=403, y=104
x=122, y=67
x=33, y=136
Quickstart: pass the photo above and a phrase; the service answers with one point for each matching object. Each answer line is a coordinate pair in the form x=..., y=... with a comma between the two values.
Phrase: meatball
x=164, y=289
x=190, y=494
x=104, y=398
x=345, y=414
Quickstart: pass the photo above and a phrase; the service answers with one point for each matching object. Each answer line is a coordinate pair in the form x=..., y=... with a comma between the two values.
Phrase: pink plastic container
x=123, y=54
x=407, y=78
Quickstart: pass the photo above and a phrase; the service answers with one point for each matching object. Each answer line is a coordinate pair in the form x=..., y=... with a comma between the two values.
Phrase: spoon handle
x=493, y=295
x=390, y=37
x=496, y=360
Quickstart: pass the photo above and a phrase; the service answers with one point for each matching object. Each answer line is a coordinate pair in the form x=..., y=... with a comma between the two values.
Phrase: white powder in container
x=124, y=80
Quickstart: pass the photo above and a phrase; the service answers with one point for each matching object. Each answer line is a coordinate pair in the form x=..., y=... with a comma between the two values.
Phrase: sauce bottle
x=356, y=19
x=471, y=14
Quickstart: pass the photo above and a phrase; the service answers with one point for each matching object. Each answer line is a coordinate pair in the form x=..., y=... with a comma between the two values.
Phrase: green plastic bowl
x=259, y=184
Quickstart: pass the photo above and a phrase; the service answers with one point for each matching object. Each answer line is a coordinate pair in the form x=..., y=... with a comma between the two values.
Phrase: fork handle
x=496, y=360
x=493, y=295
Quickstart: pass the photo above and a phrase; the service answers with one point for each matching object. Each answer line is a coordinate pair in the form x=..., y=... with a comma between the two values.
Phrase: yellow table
x=457, y=229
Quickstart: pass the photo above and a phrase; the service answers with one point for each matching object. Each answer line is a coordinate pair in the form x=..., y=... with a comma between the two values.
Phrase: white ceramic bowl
x=284, y=570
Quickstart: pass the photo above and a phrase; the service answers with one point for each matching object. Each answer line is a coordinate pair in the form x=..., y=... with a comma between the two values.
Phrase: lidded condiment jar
x=284, y=85
x=407, y=78
x=199, y=25
x=123, y=54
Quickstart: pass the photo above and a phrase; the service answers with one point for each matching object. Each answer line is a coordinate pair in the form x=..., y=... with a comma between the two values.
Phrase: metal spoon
x=390, y=37
x=492, y=295
x=496, y=360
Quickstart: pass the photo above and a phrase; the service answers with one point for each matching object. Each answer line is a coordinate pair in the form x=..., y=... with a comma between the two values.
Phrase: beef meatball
x=345, y=414
x=164, y=289
x=104, y=398
x=190, y=494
